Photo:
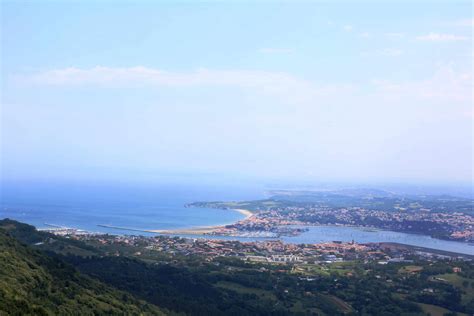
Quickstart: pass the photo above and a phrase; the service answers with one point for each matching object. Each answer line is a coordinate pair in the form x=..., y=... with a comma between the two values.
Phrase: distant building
x=332, y=258
x=400, y=260
x=285, y=258
x=256, y=258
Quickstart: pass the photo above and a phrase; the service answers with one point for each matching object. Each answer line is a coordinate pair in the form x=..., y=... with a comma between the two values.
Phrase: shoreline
x=247, y=213
x=201, y=230
x=198, y=230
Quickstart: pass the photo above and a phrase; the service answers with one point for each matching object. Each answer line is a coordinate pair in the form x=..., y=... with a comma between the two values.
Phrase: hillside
x=32, y=283
x=106, y=274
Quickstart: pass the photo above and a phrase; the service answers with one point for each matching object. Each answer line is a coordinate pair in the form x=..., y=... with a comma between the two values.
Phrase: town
x=331, y=278
x=268, y=251
x=288, y=218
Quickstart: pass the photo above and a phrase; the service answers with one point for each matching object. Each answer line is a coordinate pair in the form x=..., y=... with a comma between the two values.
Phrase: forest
x=69, y=276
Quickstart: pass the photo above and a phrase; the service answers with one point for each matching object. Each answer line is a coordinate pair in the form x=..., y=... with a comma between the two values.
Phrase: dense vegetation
x=32, y=283
x=48, y=282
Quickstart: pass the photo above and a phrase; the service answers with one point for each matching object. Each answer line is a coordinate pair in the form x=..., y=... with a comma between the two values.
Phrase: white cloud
x=464, y=22
x=269, y=50
x=446, y=84
x=282, y=85
x=390, y=52
x=395, y=35
x=364, y=34
x=348, y=28
x=151, y=76
x=393, y=52
x=437, y=37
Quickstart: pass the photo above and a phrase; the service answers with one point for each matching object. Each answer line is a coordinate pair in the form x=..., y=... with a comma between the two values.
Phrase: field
x=464, y=284
x=433, y=310
x=410, y=269
x=262, y=294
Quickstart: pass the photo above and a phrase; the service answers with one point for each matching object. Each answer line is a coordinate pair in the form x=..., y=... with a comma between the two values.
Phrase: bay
x=161, y=206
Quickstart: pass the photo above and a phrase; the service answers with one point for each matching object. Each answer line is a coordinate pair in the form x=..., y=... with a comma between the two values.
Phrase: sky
x=328, y=91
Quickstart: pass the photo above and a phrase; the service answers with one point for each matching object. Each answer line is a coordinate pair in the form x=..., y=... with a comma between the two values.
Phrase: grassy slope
x=434, y=310
x=34, y=284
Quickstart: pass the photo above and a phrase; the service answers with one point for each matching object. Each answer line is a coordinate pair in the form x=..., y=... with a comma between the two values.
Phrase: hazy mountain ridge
x=374, y=198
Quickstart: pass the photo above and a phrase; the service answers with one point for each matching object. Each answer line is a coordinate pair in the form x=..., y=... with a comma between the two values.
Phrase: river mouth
x=319, y=234
x=162, y=207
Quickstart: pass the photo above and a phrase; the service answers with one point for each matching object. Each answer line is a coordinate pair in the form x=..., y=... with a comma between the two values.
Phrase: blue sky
x=353, y=91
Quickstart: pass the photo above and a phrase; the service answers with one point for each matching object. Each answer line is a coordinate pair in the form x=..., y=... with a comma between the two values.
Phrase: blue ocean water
x=158, y=206
x=151, y=206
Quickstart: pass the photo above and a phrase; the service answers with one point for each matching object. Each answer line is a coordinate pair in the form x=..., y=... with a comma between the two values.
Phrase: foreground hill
x=32, y=283
x=117, y=274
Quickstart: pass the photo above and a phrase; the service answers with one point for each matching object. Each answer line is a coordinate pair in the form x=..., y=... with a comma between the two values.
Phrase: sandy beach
x=201, y=230
x=247, y=213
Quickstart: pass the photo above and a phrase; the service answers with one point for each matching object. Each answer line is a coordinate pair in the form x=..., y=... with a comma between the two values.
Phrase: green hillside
x=57, y=275
x=32, y=283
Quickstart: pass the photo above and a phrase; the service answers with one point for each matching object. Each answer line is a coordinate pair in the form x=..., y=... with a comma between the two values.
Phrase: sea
x=147, y=206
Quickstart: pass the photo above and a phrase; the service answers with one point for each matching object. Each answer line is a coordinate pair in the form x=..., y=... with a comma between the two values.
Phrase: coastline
x=199, y=230
x=247, y=213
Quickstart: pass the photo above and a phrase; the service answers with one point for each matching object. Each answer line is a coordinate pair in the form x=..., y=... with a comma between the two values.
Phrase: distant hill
x=374, y=199
x=352, y=192
x=32, y=283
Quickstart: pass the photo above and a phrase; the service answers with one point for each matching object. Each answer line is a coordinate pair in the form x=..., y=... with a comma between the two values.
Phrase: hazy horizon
x=316, y=92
